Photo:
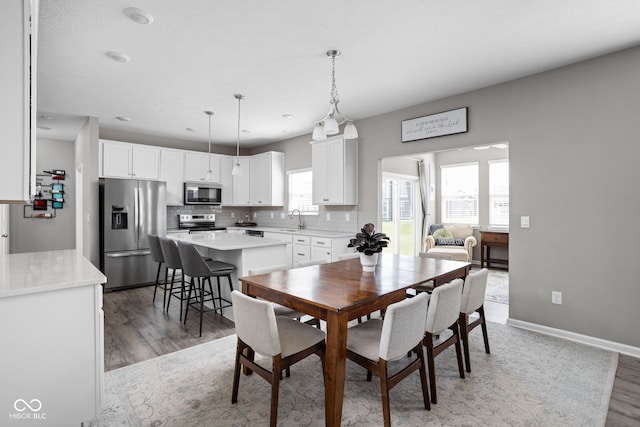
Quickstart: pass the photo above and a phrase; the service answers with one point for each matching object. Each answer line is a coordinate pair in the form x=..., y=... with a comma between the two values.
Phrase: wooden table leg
x=334, y=367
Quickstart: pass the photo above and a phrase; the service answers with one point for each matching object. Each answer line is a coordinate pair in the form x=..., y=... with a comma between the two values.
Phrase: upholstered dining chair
x=473, y=293
x=156, y=256
x=442, y=315
x=376, y=342
x=283, y=339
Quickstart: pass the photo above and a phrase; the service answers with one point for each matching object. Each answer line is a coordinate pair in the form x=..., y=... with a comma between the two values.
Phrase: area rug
x=528, y=380
x=497, y=286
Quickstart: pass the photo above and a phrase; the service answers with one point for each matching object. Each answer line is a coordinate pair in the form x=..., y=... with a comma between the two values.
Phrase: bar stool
x=173, y=261
x=195, y=266
x=157, y=256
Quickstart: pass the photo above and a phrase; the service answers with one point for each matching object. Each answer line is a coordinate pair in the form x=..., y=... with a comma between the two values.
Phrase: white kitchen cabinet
x=335, y=171
x=18, y=46
x=321, y=248
x=197, y=165
x=172, y=172
x=288, y=239
x=267, y=179
x=226, y=179
x=241, y=183
x=124, y=160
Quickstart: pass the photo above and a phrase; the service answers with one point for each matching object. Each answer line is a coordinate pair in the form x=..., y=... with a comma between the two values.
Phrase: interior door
x=4, y=229
x=400, y=219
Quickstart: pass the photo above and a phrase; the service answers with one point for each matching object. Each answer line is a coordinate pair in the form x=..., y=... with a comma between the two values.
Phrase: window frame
x=290, y=207
x=444, y=197
x=493, y=225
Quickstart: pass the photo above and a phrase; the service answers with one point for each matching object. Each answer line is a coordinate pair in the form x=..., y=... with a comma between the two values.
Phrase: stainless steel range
x=198, y=222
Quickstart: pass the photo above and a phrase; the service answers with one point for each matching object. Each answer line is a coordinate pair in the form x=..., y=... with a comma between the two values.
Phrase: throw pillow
x=434, y=227
x=442, y=234
x=449, y=242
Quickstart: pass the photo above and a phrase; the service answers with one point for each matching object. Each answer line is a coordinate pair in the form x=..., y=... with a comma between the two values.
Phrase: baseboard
x=572, y=336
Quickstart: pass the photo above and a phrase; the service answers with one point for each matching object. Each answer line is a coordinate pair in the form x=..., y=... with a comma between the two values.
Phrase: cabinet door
x=318, y=253
x=116, y=159
x=335, y=176
x=172, y=171
x=226, y=180
x=242, y=183
x=145, y=162
x=197, y=165
x=261, y=180
x=319, y=165
x=301, y=253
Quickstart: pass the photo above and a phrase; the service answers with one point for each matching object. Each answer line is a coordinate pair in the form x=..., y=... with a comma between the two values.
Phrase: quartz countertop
x=34, y=272
x=225, y=241
x=304, y=231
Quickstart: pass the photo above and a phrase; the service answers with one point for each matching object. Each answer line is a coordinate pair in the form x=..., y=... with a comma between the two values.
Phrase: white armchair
x=456, y=240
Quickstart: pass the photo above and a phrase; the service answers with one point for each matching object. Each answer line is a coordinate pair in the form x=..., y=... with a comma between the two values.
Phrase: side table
x=489, y=239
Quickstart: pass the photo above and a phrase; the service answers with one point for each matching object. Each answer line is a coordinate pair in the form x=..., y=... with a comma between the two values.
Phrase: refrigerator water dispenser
x=119, y=218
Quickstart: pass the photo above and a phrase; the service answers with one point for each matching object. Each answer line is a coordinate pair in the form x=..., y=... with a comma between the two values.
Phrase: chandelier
x=330, y=124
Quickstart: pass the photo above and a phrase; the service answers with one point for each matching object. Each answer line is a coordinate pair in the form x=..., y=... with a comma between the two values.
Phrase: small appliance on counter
x=245, y=224
x=198, y=222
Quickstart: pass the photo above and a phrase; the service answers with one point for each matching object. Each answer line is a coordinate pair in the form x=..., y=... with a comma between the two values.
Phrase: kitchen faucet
x=300, y=223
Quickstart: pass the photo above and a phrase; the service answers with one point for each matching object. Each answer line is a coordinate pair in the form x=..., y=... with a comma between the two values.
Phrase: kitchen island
x=51, y=324
x=244, y=252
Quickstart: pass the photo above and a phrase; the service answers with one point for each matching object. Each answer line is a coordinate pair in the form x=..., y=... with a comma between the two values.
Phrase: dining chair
x=375, y=343
x=428, y=287
x=473, y=293
x=200, y=270
x=442, y=315
x=283, y=339
x=156, y=256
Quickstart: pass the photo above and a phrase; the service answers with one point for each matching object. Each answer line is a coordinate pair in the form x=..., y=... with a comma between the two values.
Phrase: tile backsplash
x=329, y=218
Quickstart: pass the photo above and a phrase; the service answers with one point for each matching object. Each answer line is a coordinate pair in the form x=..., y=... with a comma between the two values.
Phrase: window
x=300, y=187
x=499, y=193
x=399, y=212
x=459, y=198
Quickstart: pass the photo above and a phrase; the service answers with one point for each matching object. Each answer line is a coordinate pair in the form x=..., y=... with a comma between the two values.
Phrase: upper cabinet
x=18, y=46
x=226, y=180
x=172, y=172
x=241, y=195
x=198, y=164
x=267, y=179
x=335, y=171
x=123, y=160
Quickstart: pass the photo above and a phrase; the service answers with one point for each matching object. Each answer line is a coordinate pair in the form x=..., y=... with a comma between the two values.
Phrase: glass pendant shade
x=350, y=131
x=236, y=170
x=318, y=133
x=331, y=126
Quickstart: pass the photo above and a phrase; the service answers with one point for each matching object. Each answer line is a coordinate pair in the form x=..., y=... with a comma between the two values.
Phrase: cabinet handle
x=300, y=254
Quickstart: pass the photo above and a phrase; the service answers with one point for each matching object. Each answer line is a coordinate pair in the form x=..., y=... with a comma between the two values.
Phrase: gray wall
x=573, y=146
x=34, y=235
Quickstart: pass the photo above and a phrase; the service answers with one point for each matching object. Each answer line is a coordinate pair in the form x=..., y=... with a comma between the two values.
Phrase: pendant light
x=330, y=124
x=236, y=170
x=209, y=175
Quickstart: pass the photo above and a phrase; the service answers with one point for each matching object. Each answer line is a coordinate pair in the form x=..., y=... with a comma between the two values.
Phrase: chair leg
x=275, y=388
x=165, y=299
x=423, y=378
x=236, y=373
x=157, y=282
x=173, y=275
x=428, y=342
x=456, y=333
x=186, y=310
x=463, y=321
x=384, y=391
x=182, y=292
x=484, y=329
x=201, y=285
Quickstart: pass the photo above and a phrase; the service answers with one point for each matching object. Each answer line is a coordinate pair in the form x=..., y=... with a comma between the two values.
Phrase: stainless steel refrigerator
x=129, y=210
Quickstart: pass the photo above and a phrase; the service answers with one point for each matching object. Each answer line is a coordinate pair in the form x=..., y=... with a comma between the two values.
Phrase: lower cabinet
x=283, y=238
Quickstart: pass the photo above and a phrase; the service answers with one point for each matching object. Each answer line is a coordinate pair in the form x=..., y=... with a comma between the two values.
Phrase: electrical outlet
x=271, y=215
x=347, y=217
x=556, y=297
x=281, y=215
x=328, y=216
x=255, y=215
x=524, y=222
x=233, y=214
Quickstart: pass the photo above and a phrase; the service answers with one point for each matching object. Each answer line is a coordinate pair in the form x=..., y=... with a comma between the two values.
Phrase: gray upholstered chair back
x=475, y=286
x=256, y=324
x=193, y=264
x=170, y=253
x=444, y=306
x=265, y=270
x=154, y=246
x=403, y=327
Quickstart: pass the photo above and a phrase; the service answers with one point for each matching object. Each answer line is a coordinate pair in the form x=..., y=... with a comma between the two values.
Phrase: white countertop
x=34, y=272
x=304, y=232
x=225, y=241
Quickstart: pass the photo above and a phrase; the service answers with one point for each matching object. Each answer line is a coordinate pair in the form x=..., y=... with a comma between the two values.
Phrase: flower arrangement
x=368, y=241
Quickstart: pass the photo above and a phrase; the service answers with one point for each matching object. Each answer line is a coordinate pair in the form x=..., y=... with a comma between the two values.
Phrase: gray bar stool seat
x=199, y=269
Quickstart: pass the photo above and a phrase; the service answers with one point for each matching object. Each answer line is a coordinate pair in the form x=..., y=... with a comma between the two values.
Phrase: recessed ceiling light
x=191, y=130
x=43, y=127
x=117, y=56
x=288, y=116
x=138, y=16
x=123, y=118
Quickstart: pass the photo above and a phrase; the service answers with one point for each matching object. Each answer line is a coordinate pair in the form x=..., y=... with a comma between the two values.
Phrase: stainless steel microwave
x=202, y=193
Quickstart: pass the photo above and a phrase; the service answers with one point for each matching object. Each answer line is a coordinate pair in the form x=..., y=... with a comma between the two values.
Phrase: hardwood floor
x=137, y=330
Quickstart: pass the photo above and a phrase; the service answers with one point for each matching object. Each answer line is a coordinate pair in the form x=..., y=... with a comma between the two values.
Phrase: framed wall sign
x=433, y=125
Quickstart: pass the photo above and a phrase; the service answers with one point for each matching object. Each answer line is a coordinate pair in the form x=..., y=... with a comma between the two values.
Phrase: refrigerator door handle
x=136, y=209
x=127, y=253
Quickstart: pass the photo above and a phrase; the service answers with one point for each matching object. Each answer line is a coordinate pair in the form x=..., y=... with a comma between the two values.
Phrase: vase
x=368, y=262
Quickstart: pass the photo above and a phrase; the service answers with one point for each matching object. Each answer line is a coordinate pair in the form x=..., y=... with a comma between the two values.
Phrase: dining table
x=340, y=291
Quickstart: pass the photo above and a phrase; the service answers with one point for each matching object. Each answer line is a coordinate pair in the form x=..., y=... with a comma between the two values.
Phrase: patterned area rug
x=498, y=286
x=527, y=380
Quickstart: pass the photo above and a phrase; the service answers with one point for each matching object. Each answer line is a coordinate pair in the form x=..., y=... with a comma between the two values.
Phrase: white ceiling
x=395, y=53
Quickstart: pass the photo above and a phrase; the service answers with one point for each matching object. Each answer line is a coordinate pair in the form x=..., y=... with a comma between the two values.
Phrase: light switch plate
x=524, y=222
x=347, y=217
x=271, y=215
x=281, y=215
x=328, y=216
